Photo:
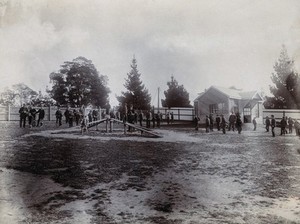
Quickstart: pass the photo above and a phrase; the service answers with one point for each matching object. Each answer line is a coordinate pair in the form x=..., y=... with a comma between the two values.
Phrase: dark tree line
x=78, y=83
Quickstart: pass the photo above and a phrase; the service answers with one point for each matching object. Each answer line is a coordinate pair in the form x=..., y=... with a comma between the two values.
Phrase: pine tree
x=176, y=95
x=137, y=95
x=286, y=82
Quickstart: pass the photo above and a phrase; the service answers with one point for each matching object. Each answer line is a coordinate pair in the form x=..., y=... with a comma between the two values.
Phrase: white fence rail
x=279, y=113
x=9, y=113
x=180, y=113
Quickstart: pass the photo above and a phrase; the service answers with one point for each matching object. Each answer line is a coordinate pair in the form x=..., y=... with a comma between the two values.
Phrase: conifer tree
x=136, y=96
x=176, y=95
x=286, y=84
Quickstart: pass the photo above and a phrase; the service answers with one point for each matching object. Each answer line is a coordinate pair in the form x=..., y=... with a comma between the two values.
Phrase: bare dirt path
x=184, y=177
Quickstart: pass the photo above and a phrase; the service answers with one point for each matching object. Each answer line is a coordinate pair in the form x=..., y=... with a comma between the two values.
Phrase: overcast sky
x=201, y=43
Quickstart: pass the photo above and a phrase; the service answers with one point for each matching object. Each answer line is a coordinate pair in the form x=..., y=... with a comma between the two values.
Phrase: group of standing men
x=269, y=123
x=221, y=123
x=284, y=123
x=30, y=113
x=76, y=115
x=235, y=122
x=157, y=118
x=134, y=117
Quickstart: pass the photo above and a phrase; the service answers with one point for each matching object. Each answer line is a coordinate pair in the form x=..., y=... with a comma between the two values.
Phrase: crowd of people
x=235, y=123
x=138, y=117
x=29, y=113
x=76, y=116
x=286, y=125
x=35, y=118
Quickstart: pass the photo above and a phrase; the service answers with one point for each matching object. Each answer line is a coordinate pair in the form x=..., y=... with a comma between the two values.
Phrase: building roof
x=248, y=95
x=199, y=95
x=234, y=93
x=231, y=93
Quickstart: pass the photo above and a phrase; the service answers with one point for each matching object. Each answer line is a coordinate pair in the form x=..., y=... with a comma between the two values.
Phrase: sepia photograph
x=149, y=111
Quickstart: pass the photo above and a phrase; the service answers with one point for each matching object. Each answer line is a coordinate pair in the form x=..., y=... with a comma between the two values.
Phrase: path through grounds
x=184, y=177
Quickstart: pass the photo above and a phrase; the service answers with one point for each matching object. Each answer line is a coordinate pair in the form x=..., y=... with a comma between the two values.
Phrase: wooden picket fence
x=279, y=113
x=11, y=113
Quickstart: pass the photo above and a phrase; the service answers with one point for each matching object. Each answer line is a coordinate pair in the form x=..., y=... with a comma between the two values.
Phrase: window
x=221, y=107
x=213, y=108
x=236, y=103
x=235, y=110
x=247, y=111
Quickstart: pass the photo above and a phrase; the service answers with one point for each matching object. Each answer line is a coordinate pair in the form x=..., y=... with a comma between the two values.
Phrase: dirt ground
x=56, y=175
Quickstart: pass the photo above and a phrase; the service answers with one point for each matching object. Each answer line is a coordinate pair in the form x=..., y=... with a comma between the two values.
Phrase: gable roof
x=233, y=93
x=199, y=96
x=251, y=95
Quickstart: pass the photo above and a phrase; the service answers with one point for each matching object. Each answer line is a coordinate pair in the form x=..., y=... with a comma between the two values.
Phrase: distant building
x=219, y=100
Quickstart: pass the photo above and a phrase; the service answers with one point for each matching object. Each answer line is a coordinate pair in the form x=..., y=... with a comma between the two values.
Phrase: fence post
x=111, y=125
x=125, y=130
x=49, y=110
x=106, y=125
x=8, y=112
x=179, y=114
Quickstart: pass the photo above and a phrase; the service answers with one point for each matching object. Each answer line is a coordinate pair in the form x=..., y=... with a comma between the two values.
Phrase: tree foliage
x=176, y=95
x=8, y=97
x=286, y=84
x=136, y=96
x=78, y=83
x=17, y=95
x=43, y=100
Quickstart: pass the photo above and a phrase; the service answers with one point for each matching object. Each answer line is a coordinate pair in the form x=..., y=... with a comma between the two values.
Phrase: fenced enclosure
x=179, y=113
x=279, y=113
x=10, y=113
